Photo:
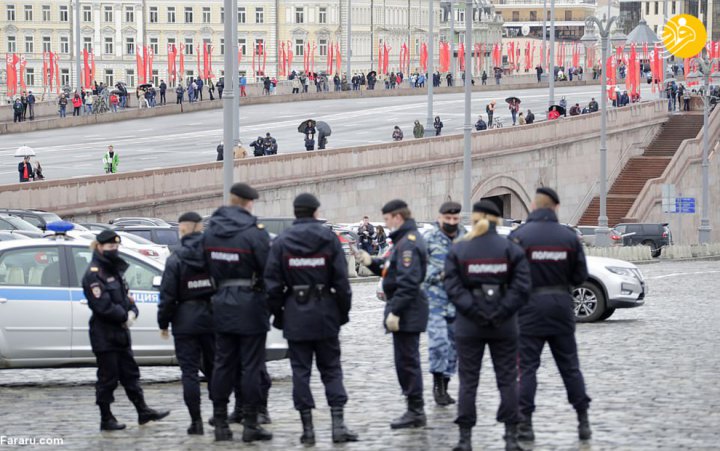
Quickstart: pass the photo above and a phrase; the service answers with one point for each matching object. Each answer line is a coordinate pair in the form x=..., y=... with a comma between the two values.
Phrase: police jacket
x=186, y=290
x=557, y=263
x=107, y=294
x=236, y=250
x=403, y=274
x=487, y=278
x=307, y=281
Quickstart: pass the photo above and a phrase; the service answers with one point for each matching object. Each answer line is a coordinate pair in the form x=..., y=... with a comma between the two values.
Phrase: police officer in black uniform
x=406, y=312
x=113, y=312
x=185, y=295
x=487, y=278
x=236, y=249
x=557, y=263
x=307, y=284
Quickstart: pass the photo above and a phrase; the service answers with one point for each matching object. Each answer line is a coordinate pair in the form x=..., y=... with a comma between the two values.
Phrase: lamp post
x=230, y=101
x=602, y=233
x=705, y=67
x=78, y=69
x=551, y=63
x=430, y=69
x=467, y=128
x=349, y=39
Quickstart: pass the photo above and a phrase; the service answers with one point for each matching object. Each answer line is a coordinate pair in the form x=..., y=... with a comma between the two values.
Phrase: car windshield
x=49, y=217
x=135, y=238
x=168, y=237
x=20, y=224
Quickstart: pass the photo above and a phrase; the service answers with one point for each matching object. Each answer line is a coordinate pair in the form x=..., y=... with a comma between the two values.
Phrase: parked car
x=166, y=235
x=38, y=218
x=19, y=226
x=130, y=241
x=588, y=236
x=131, y=220
x=655, y=236
x=96, y=226
x=10, y=236
x=44, y=314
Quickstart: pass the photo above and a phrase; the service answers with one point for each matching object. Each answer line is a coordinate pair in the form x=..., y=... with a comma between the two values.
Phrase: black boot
x=414, y=416
x=108, y=422
x=308, y=435
x=196, y=425
x=449, y=398
x=340, y=432
x=146, y=414
x=252, y=431
x=237, y=414
x=584, y=432
x=525, y=430
x=264, y=415
x=222, y=429
x=511, y=439
x=439, y=389
x=465, y=442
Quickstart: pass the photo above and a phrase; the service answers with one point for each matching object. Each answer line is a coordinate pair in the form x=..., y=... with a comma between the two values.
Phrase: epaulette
x=94, y=269
x=261, y=226
x=411, y=237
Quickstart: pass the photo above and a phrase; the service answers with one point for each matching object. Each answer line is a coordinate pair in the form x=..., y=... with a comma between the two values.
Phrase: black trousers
x=238, y=355
x=503, y=352
x=327, y=354
x=265, y=385
x=114, y=367
x=406, y=346
x=195, y=352
x=162, y=98
x=564, y=351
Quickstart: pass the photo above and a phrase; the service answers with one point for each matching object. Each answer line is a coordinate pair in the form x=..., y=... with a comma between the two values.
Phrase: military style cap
x=487, y=207
x=394, y=205
x=107, y=237
x=306, y=200
x=190, y=216
x=549, y=192
x=244, y=190
x=450, y=208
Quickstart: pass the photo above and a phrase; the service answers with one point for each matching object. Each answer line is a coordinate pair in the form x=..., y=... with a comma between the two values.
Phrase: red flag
x=386, y=56
x=610, y=73
x=338, y=58
x=140, y=65
x=199, y=66
x=149, y=61
x=329, y=56
x=423, y=57
x=306, y=58
x=56, y=63
x=51, y=70
x=289, y=56
x=281, y=59
x=461, y=57
x=182, y=61
x=631, y=79
x=380, y=60
x=444, y=59
x=92, y=66
x=170, y=63
x=206, y=61
x=45, y=69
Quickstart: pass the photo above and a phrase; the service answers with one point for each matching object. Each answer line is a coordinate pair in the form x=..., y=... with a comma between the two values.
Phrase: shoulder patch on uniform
x=407, y=258
x=94, y=269
x=412, y=237
x=261, y=226
x=96, y=290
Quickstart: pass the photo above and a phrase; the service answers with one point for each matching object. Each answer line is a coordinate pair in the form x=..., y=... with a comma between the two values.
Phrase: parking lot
x=651, y=371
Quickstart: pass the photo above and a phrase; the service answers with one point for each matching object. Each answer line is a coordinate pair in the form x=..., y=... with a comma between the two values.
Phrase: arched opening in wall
x=502, y=202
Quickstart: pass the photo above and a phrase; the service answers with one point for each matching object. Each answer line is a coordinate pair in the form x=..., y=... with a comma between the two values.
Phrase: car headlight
x=620, y=271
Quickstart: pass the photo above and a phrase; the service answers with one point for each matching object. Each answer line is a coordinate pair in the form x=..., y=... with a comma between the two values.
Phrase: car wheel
x=589, y=302
x=608, y=313
x=654, y=251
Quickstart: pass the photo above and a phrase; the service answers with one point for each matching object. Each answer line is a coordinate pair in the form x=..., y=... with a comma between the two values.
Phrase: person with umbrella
x=26, y=170
x=514, y=105
x=324, y=131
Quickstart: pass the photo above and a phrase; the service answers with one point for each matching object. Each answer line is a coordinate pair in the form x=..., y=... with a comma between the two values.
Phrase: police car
x=44, y=314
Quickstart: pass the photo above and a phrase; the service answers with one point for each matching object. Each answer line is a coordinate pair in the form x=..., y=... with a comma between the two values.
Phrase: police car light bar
x=59, y=227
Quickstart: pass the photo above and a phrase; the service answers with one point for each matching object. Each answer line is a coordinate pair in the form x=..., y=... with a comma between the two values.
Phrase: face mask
x=112, y=256
x=450, y=228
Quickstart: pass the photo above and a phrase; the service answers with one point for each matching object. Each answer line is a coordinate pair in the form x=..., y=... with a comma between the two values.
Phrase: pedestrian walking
x=62, y=104
x=441, y=328
x=31, y=105
x=309, y=293
x=418, y=130
x=163, y=90
x=397, y=134
x=484, y=77
x=243, y=85
x=438, y=125
x=557, y=262
x=406, y=310
x=113, y=314
x=487, y=278
x=539, y=72
x=111, y=160
x=185, y=294
x=25, y=170
x=380, y=241
x=237, y=247
x=199, y=91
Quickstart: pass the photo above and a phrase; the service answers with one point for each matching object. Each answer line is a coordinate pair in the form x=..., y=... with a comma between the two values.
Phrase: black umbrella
x=145, y=85
x=323, y=128
x=559, y=109
x=512, y=99
x=116, y=91
x=373, y=73
x=309, y=123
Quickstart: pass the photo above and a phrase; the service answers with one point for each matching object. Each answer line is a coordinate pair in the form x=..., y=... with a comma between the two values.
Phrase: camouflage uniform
x=441, y=331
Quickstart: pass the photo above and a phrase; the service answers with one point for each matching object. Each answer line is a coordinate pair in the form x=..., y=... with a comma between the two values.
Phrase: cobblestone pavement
x=652, y=374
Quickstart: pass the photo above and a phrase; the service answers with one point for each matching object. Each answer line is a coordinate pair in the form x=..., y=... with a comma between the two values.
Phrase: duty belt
x=489, y=292
x=236, y=283
x=552, y=289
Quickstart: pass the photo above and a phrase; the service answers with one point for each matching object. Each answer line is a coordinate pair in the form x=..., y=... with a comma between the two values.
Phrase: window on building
x=533, y=16
x=188, y=14
x=170, y=43
x=154, y=45
x=299, y=15
x=109, y=77
x=46, y=13
x=109, y=46
x=322, y=15
x=87, y=44
x=206, y=14
x=10, y=12
x=222, y=14
x=108, y=10
x=259, y=15
x=87, y=13
x=155, y=77
x=323, y=47
x=190, y=75
x=242, y=46
x=516, y=16
x=568, y=15
x=647, y=8
x=241, y=15
x=64, y=44
x=28, y=12
x=30, y=76
x=547, y=16
x=29, y=44
x=657, y=8
x=11, y=44
x=299, y=47
x=222, y=46
x=129, y=14
x=461, y=16
x=63, y=13
x=171, y=14
x=189, y=46
x=46, y=46
x=673, y=7
x=65, y=77
x=130, y=77
x=153, y=14
x=129, y=46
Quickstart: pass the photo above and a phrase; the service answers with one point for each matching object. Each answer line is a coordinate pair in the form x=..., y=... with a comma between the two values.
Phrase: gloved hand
x=363, y=258
x=392, y=322
x=164, y=334
x=132, y=316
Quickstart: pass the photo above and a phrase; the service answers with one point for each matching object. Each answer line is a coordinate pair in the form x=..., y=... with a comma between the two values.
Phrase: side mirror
x=156, y=281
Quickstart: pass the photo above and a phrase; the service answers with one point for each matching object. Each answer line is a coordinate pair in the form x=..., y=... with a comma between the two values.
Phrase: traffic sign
x=685, y=205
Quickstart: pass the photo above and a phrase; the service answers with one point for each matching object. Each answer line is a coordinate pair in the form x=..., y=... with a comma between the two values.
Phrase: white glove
x=363, y=258
x=392, y=323
x=131, y=319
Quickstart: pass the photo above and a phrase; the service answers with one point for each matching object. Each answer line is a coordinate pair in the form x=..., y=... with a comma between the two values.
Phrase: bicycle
x=497, y=123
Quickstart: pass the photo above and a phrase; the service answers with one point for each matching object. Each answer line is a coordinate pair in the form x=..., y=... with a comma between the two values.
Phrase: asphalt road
x=193, y=137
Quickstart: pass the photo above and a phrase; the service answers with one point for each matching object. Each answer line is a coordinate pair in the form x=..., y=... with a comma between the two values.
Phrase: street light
x=430, y=68
x=602, y=233
x=467, y=128
x=704, y=66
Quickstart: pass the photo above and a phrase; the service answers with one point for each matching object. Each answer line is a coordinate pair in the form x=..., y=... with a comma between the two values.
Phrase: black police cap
x=450, y=208
x=549, y=192
x=394, y=205
x=306, y=200
x=244, y=190
x=190, y=216
x=487, y=207
x=107, y=237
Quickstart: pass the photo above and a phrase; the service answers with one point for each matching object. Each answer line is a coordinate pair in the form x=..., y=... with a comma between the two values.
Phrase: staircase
x=639, y=170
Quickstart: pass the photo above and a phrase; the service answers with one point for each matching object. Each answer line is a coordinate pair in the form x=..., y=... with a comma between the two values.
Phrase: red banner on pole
x=56, y=70
x=338, y=59
x=182, y=62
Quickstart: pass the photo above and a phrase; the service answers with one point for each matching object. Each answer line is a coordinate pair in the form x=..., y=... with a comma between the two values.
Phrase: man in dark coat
x=26, y=170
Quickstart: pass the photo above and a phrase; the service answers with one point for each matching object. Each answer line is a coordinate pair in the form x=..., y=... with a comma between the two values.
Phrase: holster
x=305, y=293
